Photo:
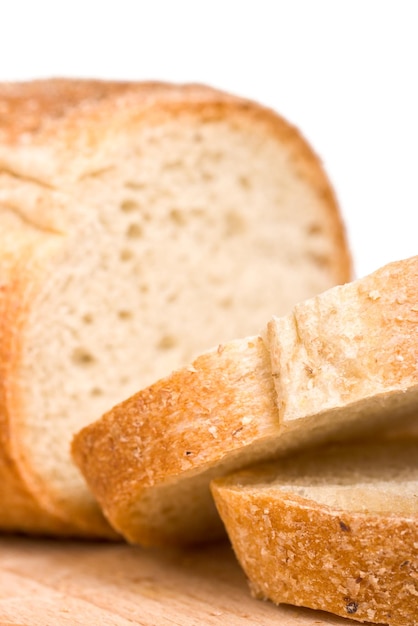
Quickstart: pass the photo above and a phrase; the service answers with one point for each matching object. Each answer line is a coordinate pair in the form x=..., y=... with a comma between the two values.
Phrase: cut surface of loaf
x=139, y=225
x=335, y=529
x=343, y=363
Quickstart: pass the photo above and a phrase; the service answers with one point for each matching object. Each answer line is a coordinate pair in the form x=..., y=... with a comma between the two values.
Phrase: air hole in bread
x=214, y=279
x=125, y=315
x=244, y=182
x=177, y=217
x=82, y=357
x=174, y=165
x=320, y=260
x=235, y=224
x=314, y=229
x=96, y=391
x=127, y=206
x=167, y=342
x=97, y=173
x=226, y=303
x=88, y=318
x=214, y=156
x=133, y=184
x=134, y=231
x=126, y=254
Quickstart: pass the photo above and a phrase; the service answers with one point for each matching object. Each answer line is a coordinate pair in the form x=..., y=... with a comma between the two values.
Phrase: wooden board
x=76, y=583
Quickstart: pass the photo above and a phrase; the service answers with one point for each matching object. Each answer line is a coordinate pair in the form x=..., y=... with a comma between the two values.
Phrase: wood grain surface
x=57, y=583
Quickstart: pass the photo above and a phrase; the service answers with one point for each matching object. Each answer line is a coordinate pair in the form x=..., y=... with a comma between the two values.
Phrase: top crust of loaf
x=37, y=108
x=42, y=118
x=57, y=116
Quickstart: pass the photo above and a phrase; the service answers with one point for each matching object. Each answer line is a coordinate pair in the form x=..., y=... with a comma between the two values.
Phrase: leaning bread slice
x=139, y=224
x=350, y=355
x=149, y=461
x=335, y=530
x=349, y=359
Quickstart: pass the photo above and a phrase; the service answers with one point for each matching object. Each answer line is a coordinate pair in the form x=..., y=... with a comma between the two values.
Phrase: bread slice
x=343, y=363
x=139, y=225
x=335, y=530
x=350, y=353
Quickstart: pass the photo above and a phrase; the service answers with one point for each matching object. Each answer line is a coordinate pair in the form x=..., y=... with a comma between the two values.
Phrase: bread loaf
x=341, y=364
x=335, y=530
x=139, y=225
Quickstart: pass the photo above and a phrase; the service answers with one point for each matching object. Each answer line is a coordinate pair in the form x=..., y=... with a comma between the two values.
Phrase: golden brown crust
x=60, y=108
x=360, y=565
x=366, y=573
x=13, y=488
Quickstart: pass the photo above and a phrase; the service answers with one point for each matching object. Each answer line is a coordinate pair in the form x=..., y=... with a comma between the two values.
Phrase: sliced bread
x=139, y=225
x=343, y=363
x=335, y=530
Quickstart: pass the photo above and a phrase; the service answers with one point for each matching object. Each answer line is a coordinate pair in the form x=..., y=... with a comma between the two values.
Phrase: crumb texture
x=350, y=351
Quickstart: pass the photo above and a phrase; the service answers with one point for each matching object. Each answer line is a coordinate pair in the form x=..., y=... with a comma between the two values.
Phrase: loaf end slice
x=334, y=530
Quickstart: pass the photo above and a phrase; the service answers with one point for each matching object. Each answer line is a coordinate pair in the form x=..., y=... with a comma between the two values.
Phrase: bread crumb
x=374, y=294
x=411, y=589
x=370, y=614
x=213, y=431
x=308, y=369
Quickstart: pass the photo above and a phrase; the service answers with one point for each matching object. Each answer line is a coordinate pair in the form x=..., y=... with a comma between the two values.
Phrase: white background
x=345, y=72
